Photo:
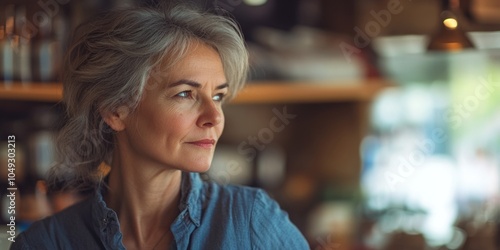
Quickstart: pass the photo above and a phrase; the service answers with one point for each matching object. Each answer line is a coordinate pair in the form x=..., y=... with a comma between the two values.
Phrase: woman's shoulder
x=51, y=232
x=234, y=194
x=269, y=227
x=255, y=201
x=213, y=192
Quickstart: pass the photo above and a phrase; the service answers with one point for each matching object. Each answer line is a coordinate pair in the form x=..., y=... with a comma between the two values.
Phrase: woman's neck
x=145, y=198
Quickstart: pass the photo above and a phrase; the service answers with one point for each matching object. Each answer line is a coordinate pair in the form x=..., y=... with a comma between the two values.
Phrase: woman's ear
x=116, y=119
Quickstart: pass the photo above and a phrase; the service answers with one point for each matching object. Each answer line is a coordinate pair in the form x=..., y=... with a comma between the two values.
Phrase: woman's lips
x=205, y=143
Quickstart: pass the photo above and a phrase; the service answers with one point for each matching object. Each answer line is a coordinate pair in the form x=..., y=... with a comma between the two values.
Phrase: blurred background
x=374, y=123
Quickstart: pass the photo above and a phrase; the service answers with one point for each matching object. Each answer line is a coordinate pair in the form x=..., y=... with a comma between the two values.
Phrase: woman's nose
x=210, y=115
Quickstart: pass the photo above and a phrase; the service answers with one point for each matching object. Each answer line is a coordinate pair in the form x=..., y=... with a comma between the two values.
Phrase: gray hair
x=112, y=62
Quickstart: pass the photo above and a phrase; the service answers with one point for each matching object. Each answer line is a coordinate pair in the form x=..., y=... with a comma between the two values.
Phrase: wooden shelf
x=43, y=92
x=260, y=92
x=310, y=92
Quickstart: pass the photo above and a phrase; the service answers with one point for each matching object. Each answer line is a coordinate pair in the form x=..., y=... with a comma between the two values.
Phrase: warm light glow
x=255, y=2
x=453, y=46
x=14, y=42
x=9, y=25
x=450, y=23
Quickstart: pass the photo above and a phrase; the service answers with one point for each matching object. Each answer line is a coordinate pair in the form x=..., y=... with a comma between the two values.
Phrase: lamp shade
x=450, y=36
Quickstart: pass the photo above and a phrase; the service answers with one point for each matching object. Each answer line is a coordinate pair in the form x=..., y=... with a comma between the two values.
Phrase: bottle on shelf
x=41, y=144
x=7, y=43
x=22, y=49
x=46, y=52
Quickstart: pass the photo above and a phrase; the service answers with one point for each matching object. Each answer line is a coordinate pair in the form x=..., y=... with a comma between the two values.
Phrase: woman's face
x=179, y=121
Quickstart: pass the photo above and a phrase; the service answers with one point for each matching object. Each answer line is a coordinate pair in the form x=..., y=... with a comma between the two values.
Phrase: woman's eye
x=184, y=94
x=219, y=97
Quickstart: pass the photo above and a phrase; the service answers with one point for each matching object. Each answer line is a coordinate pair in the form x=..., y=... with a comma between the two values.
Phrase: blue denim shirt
x=211, y=216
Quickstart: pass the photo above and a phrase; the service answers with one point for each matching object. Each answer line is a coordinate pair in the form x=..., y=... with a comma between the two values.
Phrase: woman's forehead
x=198, y=61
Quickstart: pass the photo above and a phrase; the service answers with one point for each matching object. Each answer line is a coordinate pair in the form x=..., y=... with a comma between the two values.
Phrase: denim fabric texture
x=212, y=216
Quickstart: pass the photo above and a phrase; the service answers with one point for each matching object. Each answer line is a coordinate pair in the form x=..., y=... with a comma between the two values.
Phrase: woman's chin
x=197, y=167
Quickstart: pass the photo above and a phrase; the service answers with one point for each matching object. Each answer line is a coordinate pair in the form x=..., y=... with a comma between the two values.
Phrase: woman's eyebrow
x=223, y=86
x=195, y=84
x=186, y=82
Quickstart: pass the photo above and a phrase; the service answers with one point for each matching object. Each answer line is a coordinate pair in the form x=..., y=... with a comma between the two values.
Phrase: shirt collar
x=104, y=220
x=101, y=213
x=191, y=200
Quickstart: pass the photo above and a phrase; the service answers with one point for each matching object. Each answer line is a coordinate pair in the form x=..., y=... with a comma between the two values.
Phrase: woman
x=143, y=90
